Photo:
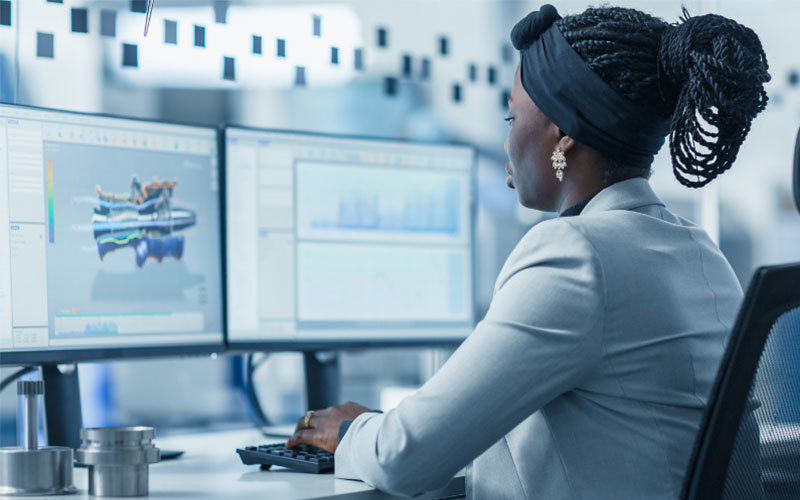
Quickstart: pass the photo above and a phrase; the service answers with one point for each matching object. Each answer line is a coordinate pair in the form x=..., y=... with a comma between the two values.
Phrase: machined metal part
x=29, y=390
x=44, y=471
x=30, y=470
x=118, y=459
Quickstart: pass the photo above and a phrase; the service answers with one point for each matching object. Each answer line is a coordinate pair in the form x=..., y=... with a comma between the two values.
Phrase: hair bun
x=533, y=25
x=714, y=68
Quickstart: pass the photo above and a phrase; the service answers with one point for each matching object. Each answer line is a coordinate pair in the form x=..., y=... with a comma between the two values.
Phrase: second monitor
x=347, y=241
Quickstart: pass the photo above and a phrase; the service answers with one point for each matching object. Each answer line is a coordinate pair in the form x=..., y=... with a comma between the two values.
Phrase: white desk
x=211, y=469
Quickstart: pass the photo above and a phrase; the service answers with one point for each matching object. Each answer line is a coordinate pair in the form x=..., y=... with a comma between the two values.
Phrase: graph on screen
x=382, y=283
x=367, y=238
x=360, y=203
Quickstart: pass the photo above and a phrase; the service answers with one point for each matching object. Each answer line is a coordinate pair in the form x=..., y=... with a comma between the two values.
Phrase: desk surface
x=211, y=469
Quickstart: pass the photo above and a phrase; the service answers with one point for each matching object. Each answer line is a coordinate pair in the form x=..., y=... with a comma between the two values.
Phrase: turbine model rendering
x=144, y=220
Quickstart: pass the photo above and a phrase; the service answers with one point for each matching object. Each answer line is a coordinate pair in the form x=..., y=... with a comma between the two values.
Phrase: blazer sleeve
x=540, y=338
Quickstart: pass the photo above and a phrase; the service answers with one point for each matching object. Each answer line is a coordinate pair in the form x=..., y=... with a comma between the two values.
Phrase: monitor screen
x=347, y=241
x=110, y=235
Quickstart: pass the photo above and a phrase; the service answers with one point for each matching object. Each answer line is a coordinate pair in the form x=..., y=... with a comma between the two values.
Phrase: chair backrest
x=748, y=445
x=796, y=183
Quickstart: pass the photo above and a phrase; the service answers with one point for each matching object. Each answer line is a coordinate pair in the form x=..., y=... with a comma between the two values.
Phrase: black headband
x=577, y=100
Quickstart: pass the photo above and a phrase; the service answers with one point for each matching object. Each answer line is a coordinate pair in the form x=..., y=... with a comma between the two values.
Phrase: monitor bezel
x=72, y=355
x=295, y=345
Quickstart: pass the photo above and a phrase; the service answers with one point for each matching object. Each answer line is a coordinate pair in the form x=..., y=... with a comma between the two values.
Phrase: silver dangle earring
x=559, y=163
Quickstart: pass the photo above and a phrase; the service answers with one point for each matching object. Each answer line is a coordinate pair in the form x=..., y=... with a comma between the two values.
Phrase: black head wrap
x=577, y=100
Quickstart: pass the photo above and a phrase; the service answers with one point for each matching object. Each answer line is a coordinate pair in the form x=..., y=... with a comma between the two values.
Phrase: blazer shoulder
x=551, y=234
x=552, y=243
x=617, y=228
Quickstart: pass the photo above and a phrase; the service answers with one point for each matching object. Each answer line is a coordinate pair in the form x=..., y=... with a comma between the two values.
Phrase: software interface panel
x=112, y=231
x=337, y=239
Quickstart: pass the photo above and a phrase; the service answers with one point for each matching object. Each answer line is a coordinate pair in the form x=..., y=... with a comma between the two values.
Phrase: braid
x=706, y=73
x=724, y=68
x=621, y=46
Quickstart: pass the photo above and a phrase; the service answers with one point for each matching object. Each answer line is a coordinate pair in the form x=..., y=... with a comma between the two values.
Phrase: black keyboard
x=304, y=458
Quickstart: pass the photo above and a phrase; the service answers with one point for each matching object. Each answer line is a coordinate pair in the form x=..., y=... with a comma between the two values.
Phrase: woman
x=590, y=372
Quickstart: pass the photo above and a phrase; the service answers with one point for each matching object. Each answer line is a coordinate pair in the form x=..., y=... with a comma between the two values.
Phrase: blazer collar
x=624, y=195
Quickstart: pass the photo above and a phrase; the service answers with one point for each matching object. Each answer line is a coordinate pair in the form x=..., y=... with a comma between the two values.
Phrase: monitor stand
x=62, y=402
x=322, y=379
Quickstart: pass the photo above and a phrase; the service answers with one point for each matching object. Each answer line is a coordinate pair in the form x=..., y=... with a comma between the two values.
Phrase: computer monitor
x=337, y=241
x=109, y=238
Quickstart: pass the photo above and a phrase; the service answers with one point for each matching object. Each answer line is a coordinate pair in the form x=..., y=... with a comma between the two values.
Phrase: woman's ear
x=566, y=142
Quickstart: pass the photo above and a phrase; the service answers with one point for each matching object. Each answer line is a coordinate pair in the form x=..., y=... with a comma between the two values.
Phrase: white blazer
x=588, y=376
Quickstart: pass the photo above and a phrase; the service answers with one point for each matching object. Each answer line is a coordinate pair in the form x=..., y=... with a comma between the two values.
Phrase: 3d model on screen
x=144, y=219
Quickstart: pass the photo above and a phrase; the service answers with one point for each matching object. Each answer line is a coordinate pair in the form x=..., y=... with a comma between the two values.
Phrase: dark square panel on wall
x=256, y=44
x=457, y=93
x=139, y=6
x=444, y=48
x=358, y=59
x=199, y=36
x=425, y=69
x=80, y=21
x=130, y=55
x=280, y=48
x=491, y=75
x=171, y=32
x=473, y=72
x=317, y=26
x=228, y=68
x=300, y=76
x=55, y=1
x=504, y=96
x=334, y=55
x=382, y=37
x=390, y=85
x=44, y=45
x=5, y=13
x=507, y=53
x=108, y=23
x=407, y=66
x=793, y=78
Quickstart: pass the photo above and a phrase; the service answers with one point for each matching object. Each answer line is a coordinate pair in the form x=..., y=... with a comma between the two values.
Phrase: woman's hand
x=323, y=429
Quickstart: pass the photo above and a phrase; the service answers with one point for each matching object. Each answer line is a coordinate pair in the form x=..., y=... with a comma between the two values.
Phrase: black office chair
x=748, y=446
x=796, y=184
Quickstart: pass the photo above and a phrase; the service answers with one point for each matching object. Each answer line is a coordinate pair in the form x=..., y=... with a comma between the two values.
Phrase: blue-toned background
x=431, y=70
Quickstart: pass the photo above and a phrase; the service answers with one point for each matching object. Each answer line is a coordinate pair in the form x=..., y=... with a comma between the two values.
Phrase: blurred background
x=427, y=70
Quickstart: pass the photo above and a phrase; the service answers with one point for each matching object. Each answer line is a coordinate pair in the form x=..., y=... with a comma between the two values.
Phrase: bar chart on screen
x=367, y=237
x=357, y=203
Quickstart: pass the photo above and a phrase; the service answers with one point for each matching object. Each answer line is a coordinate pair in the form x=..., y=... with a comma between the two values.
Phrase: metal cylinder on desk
x=118, y=459
x=30, y=470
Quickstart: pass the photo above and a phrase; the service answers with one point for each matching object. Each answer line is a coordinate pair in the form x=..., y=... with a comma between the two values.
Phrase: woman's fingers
x=303, y=436
x=323, y=426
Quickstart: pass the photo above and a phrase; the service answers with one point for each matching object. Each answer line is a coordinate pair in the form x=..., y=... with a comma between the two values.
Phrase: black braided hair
x=707, y=73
